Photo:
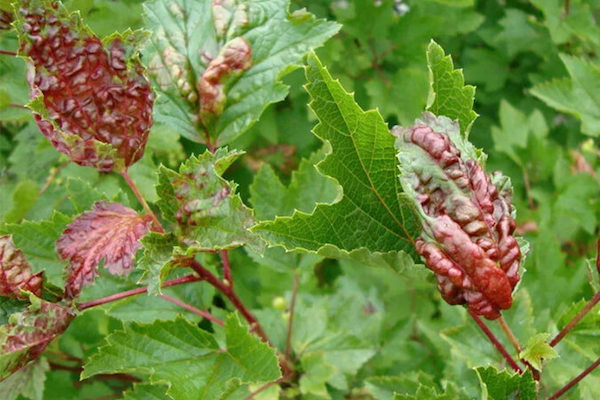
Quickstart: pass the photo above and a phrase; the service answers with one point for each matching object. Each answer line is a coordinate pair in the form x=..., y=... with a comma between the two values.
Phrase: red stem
x=142, y=201
x=576, y=319
x=8, y=53
x=195, y=310
x=226, y=267
x=495, y=342
x=575, y=380
x=228, y=291
x=133, y=292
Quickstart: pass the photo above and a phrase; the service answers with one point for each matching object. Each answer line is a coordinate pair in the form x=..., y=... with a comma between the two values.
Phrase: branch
x=142, y=201
x=8, y=53
x=228, y=291
x=495, y=342
x=575, y=380
x=288, y=341
x=133, y=292
x=576, y=319
x=226, y=267
x=195, y=310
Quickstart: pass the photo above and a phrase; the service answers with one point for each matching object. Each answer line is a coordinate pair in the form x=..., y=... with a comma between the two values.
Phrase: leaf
x=538, y=350
x=27, y=382
x=37, y=241
x=15, y=271
x=271, y=198
x=10, y=306
x=371, y=213
x=147, y=392
x=416, y=385
x=190, y=36
x=110, y=232
x=28, y=333
x=158, y=250
x=187, y=357
x=24, y=197
x=208, y=212
x=577, y=95
x=83, y=195
x=448, y=94
x=501, y=385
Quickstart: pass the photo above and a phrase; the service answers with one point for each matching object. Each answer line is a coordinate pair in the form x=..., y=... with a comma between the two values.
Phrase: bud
x=90, y=97
x=466, y=215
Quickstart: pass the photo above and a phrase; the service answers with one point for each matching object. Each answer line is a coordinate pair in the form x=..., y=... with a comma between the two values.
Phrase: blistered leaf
x=15, y=271
x=218, y=64
x=90, y=97
x=188, y=358
x=448, y=94
x=110, y=232
x=28, y=333
x=371, y=213
x=208, y=212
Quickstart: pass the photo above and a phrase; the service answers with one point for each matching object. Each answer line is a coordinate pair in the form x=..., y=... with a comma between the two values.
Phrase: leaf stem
x=575, y=380
x=511, y=336
x=195, y=310
x=495, y=342
x=228, y=291
x=288, y=341
x=141, y=199
x=133, y=292
x=576, y=319
x=8, y=53
x=226, y=267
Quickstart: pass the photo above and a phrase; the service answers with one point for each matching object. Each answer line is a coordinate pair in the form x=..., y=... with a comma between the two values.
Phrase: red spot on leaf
x=110, y=232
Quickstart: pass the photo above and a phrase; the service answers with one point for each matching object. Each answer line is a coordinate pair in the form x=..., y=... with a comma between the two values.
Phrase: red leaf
x=96, y=105
x=109, y=232
x=29, y=333
x=15, y=271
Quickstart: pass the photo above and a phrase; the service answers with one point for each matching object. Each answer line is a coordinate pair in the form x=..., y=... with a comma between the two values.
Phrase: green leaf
x=9, y=306
x=187, y=357
x=24, y=197
x=578, y=95
x=27, y=382
x=188, y=36
x=501, y=385
x=537, y=350
x=147, y=392
x=82, y=195
x=209, y=213
x=37, y=240
x=271, y=198
x=448, y=94
x=371, y=213
x=158, y=250
x=417, y=386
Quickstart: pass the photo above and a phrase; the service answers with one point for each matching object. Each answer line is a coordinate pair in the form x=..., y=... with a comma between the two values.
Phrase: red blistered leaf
x=91, y=99
x=29, y=333
x=15, y=271
x=110, y=232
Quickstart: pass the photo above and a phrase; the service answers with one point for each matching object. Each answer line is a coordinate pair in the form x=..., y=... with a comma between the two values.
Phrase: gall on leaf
x=90, y=97
x=15, y=271
x=234, y=58
x=28, y=333
x=109, y=232
x=466, y=215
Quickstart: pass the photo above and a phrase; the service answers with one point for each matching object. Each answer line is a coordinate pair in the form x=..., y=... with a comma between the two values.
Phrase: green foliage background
x=361, y=331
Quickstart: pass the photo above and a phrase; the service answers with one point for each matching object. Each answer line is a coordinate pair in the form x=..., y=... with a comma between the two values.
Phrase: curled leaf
x=90, y=97
x=466, y=215
x=15, y=271
x=110, y=232
x=29, y=333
